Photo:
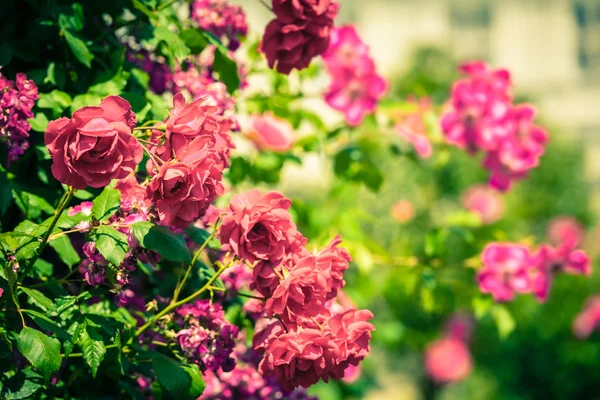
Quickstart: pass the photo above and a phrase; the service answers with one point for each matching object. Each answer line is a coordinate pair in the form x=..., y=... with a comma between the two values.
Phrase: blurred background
x=415, y=251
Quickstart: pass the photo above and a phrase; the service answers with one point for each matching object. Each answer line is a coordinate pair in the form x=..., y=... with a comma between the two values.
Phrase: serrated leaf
x=23, y=385
x=42, y=351
x=112, y=244
x=39, y=298
x=160, y=239
x=93, y=348
x=106, y=204
x=75, y=331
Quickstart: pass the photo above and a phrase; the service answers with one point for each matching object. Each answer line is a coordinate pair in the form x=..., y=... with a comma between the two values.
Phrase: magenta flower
x=356, y=94
x=346, y=50
x=16, y=101
x=505, y=271
x=223, y=20
x=477, y=108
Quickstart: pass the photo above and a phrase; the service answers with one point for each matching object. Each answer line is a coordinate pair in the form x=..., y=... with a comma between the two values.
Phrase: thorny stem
x=64, y=201
x=180, y=286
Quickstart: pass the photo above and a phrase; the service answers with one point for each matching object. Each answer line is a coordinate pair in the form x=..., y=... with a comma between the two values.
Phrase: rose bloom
x=299, y=358
x=266, y=274
x=183, y=190
x=271, y=133
x=95, y=146
x=356, y=93
x=403, y=211
x=332, y=261
x=505, y=270
x=448, y=360
x=485, y=202
x=565, y=230
x=303, y=293
x=259, y=227
x=298, y=34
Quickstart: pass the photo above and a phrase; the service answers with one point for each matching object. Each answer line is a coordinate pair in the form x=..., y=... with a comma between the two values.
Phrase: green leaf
x=6, y=196
x=72, y=19
x=39, y=298
x=65, y=250
x=198, y=385
x=79, y=49
x=43, y=268
x=171, y=375
x=504, y=321
x=93, y=348
x=23, y=385
x=227, y=70
x=56, y=100
x=75, y=331
x=106, y=204
x=112, y=244
x=162, y=240
x=194, y=40
x=42, y=351
x=47, y=324
x=197, y=235
x=31, y=204
x=39, y=122
x=83, y=100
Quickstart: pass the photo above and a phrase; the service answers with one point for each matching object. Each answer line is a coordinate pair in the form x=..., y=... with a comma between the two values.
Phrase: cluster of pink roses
x=223, y=20
x=448, y=359
x=481, y=116
x=356, y=87
x=510, y=268
x=16, y=101
x=311, y=339
x=300, y=31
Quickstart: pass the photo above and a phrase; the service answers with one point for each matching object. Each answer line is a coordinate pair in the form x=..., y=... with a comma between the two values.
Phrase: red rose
x=298, y=34
x=95, y=146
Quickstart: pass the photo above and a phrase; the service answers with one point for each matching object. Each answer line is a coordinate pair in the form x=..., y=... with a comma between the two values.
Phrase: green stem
x=250, y=296
x=180, y=286
x=57, y=214
x=167, y=4
x=173, y=306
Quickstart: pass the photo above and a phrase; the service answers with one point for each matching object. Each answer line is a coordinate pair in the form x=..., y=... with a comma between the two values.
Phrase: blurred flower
x=411, y=126
x=448, y=360
x=504, y=271
x=481, y=116
x=271, y=133
x=565, y=230
x=223, y=20
x=356, y=95
x=403, y=211
x=346, y=50
x=485, y=202
x=588, y=319
x=459, y=326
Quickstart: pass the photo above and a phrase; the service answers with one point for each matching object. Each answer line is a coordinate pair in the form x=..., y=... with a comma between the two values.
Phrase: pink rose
x=448, y=360
x=183, y=190
x=299, y=358
x=266, y=275
x=484, y=201
x=95, y=146
x=351, y=331
x=303, y=293
x=259, y=227
x=332, y=261
x=188, y=122
x=271, y=133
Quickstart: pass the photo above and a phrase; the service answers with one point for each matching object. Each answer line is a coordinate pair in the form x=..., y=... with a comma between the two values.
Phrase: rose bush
x=172, y=229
